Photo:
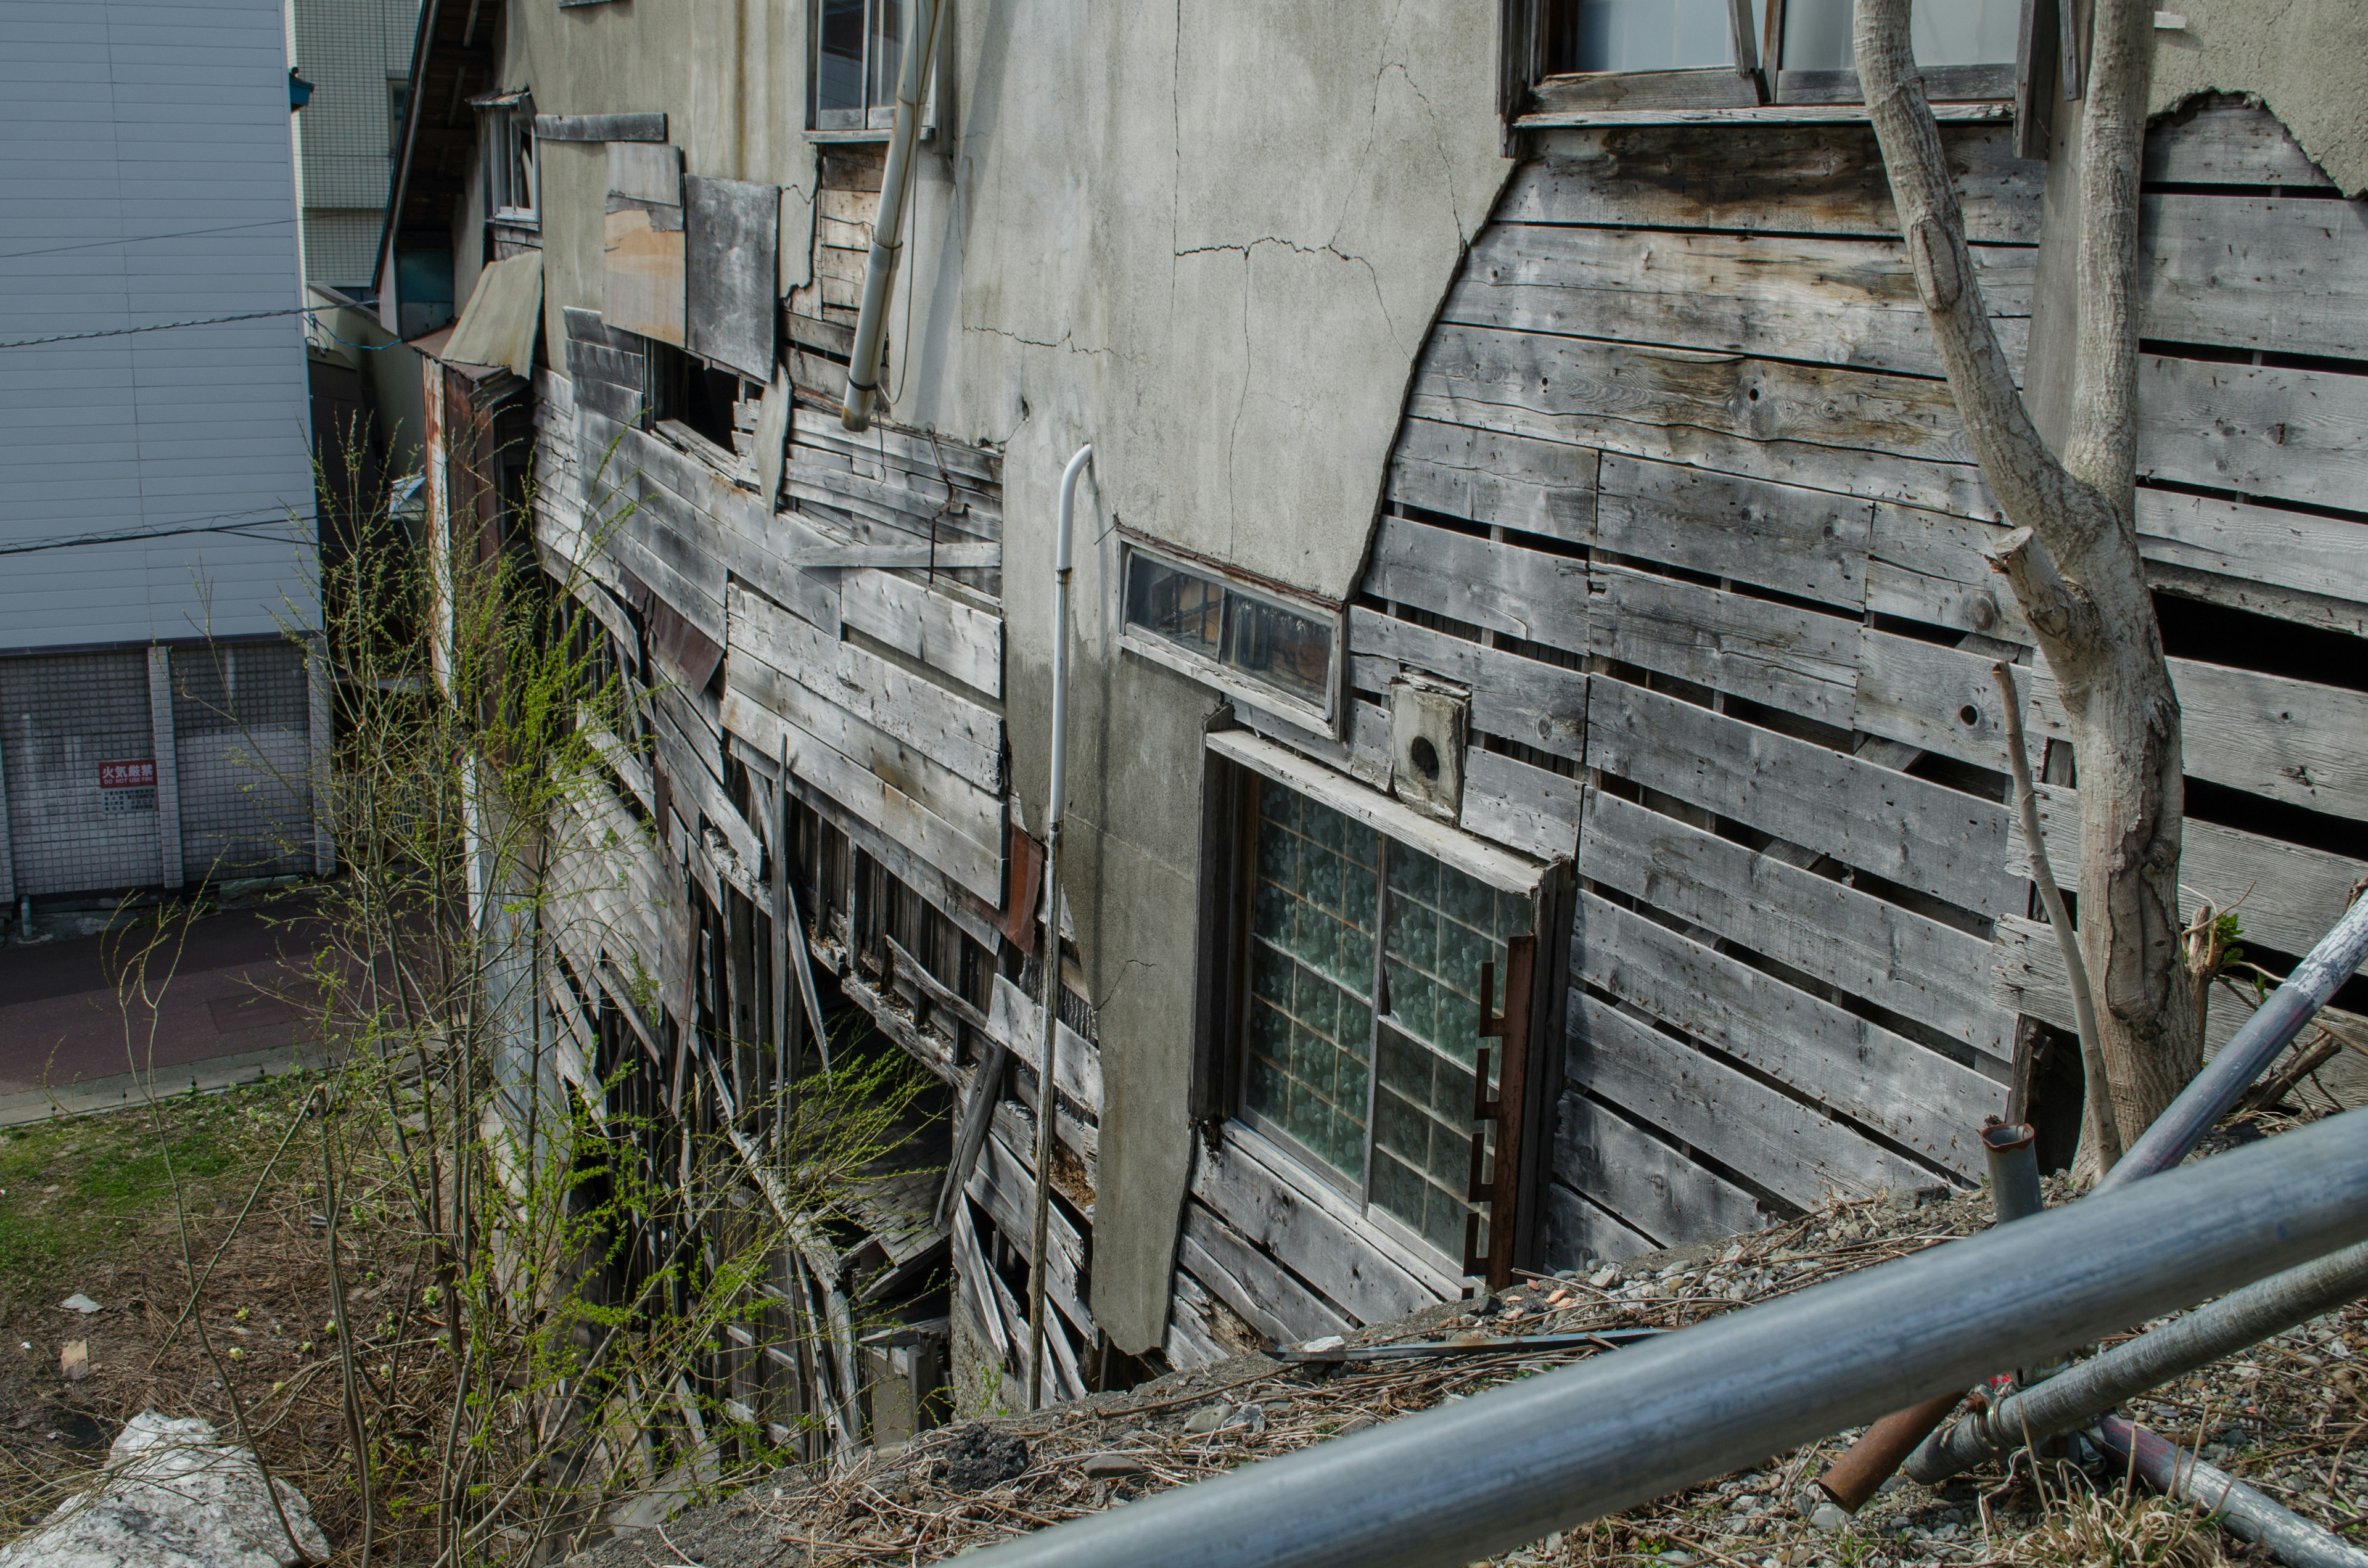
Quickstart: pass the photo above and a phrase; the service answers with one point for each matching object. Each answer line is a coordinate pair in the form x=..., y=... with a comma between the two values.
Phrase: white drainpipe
x=888, y=229
x=1045, y=1091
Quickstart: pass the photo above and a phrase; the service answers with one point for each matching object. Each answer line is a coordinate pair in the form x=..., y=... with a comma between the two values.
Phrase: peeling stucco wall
x=2305, y=60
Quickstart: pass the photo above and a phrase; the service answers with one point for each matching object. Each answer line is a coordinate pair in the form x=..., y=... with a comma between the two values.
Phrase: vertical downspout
x=1046, y=1092
x=888, y=229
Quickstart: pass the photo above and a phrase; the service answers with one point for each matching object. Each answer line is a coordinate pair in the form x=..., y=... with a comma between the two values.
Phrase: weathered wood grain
x=1933, y=696
x=2228, y=143
x=1825, y=179
x=1907, y=830
x=649, y=126
x=1843, y=1063
x=938, y=628
x=1933, y=566
x=2263, y=430
x=1268, y=1296
x=1018, y=1024
x=1830, y=300
x=1363, y=1276
x=2266, y=545
x=1795, y=540
x=1501, y=586
x=1190, y=1341
x=1789, y=1148
x=943, y=725
x=2282, y=276
x=1530, y=809
x=1523, y=700
x=1776, y=653
x=1004, y=1185
x=1578, y=1233
x=730, y=232
x=1512, y=482
x=1643, y=1180
x=1901, y=961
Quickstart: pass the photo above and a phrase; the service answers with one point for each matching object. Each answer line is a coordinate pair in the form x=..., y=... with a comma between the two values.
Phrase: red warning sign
x=137, y=774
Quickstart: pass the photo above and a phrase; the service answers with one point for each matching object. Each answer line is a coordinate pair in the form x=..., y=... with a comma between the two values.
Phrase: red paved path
x=61, y=1021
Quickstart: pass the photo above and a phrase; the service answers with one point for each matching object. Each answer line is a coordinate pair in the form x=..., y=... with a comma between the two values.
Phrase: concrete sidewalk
x=67, y=1045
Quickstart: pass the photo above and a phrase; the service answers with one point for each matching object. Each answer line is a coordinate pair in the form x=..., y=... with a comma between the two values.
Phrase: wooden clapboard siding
x=1516, y=482
x=2227, y=141
x=1902, y=961
x=1519, y=698
x=1825, y=300
x=1502, y=586
x=2269, y=431
x=915, y=619
x=1509, y=800
x=1907, y=830
x=1579, y=1233
x=1809, y=544
x=1798, y=659
x=1265, y=1294
x=2284, y=276
x=1654, y=1188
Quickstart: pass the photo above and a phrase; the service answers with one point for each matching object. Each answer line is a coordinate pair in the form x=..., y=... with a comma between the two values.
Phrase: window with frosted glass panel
x=1182, y=607
x=1324, y=888
x=1290, y=652
x=1314, y=898
x=1964, y=32
x=1440, y=927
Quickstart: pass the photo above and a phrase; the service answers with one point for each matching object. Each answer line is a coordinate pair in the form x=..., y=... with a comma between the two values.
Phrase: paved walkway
x=67, y=1045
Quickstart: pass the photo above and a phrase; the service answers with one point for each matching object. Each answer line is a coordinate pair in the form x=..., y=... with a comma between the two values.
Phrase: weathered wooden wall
x=1681, y=499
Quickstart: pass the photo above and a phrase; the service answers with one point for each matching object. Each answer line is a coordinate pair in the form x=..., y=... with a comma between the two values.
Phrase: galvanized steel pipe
x=2249, y=1052
x=2071, y=1400
x=2245, y=1513
x=1490, y=1473
x=888, y=226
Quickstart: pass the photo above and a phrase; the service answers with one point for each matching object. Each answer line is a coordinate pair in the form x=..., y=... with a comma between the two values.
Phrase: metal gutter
x=1488, y=1473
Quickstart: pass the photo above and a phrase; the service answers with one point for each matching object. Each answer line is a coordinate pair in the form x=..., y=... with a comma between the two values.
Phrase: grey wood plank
x=1790, y=658
x=935, y=628
x=730, y=232
x=1795, y=540
x=1002, y=1185
x=1827, y=300
x=1523, y=700
x=2267, y=431
x=1578, y=1233
x=1364, y=756
x=2290, y=894
x=935, y=721
x=1533, y=811
x=2255, y=544
x=1913, y=966
x=1643, y=1181
x=916, y=452
x=2280, y=276
x=1018, y=1024
x=2289, y=739
x=1316, y=1238
x=2227, y=144
x=1933, y=565
x=1502, y=586
x=1789, y=1148
x=1933, y=696
x=1823, y=179
x=911, y=503
x=1191, y=1340
x=1269, y=1297
x=1487, y=476
x=1907, y=830
x=1849, y=1066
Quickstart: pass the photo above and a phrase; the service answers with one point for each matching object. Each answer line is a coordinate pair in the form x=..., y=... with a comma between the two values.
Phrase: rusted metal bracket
x=1497, y=1183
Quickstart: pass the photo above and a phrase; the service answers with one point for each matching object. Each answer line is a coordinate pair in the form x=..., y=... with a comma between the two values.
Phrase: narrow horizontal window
x=1965, y=32
x=1253, y=644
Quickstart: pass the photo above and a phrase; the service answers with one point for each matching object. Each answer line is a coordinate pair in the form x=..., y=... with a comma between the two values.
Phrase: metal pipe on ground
x=2243, y=1512
x=2068, y=1402
x=2010, y=1151
x=1484, y=1474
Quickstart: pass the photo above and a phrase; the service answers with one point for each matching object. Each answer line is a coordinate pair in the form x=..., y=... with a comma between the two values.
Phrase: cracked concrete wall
x=1208, y=238
x=2305, y=60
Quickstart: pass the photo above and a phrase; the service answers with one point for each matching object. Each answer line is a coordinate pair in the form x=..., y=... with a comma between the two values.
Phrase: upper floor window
x=859, y=47
x=1274, y=653
x=1667, y=54
x=509, y=154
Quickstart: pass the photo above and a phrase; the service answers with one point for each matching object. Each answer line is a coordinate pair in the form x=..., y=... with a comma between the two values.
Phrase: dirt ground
x=2285, y=1417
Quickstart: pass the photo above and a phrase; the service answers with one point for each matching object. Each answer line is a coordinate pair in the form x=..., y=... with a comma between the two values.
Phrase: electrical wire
x=163, y=326
x=241, y=528
x=143, y=239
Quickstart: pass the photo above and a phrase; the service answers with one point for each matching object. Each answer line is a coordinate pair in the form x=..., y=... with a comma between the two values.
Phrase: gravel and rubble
x=2284, y=1417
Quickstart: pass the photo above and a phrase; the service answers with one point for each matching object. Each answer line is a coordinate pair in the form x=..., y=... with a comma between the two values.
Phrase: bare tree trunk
x=2073, y=557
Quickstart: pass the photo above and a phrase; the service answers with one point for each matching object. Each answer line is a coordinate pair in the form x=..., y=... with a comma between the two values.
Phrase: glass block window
x=1361, y=1050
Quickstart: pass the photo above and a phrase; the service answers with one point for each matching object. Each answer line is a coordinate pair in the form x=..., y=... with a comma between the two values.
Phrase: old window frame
x=1238, y=766
x=1754, y=78
x=511, y=162
x=877, y=117
x=1241, y=683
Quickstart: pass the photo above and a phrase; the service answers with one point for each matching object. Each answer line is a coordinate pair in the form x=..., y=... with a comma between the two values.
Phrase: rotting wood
x=935, y=628
x=1791, y=1148
x=1901, y=961
x=1336, y=1251
x=1846, y=1063
x=1269, y=1297
x=1832, y=300
x=1190, y=1340
x=1940, y=840
x=1582, y=1234
x=649, y=126
x=732, y=230
x=1775, y=654
x=1018, y=1024
x=1004, y=1189
x=1643, y=1180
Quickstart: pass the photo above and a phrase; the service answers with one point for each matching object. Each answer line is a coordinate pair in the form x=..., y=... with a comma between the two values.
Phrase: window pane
x=1309, y=1026
x=838, y=75
x=1965, y=32
x=1180, y=606
x=1290, y=652
x=887, y=57
x=1647, y=34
